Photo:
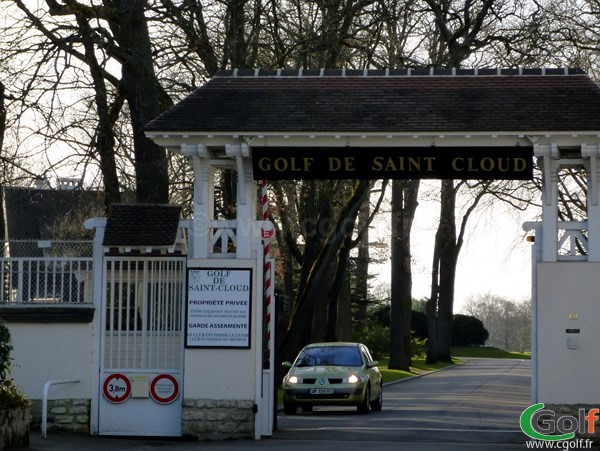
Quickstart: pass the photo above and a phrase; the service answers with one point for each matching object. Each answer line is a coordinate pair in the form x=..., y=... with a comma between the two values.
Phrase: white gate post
x=99, y=225
x=548, y=158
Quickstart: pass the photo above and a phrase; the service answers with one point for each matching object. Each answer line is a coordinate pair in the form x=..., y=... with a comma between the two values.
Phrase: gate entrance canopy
x=430, y=123
x=481, y=124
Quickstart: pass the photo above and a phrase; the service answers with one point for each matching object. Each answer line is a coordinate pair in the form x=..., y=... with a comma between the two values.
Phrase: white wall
x=227, y=373
x=566, y=289
x=219, y=374
x=50, y=351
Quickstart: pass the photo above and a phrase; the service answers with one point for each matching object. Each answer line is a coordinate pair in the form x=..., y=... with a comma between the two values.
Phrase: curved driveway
x=478, y=402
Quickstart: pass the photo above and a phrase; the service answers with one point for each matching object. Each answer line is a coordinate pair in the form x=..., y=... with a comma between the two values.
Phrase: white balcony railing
x=572, y=241
x=222, y=238
x=45, y=280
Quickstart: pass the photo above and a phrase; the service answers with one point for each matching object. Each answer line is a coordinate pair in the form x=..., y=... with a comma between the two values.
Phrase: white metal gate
x=141, y=369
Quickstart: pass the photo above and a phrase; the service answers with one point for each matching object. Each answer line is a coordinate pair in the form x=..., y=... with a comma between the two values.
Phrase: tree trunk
x=105, y=138
x=361, y=300
x=336, y=292
x=446, y=252
x=345, y=329
x=145, y=98
x=2, y=119
x=404, y=205
x=431, y=311
x=2, y=132
x=431, y=306
x=319, y=314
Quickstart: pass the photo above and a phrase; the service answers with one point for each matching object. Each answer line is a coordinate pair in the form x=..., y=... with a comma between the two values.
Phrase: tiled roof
x=141, y=225
x=441, y=100
x=30, y=213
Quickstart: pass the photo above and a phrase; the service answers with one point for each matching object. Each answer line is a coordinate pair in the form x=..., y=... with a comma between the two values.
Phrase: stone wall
x=71, y=415
x=14, y=428
x=208, y=419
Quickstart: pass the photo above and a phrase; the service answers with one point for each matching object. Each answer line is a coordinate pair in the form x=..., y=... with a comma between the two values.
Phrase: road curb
x=416, y=376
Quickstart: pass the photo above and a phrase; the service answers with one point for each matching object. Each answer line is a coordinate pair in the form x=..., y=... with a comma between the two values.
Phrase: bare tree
x=118, y=32
x=463, y=28
x=508, y=322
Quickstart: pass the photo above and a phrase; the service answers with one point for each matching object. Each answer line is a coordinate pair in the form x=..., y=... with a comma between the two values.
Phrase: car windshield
x=330, y=356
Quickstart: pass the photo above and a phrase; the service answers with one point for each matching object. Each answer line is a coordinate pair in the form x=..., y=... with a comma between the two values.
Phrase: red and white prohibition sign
x=116, y=388
x=164, y=389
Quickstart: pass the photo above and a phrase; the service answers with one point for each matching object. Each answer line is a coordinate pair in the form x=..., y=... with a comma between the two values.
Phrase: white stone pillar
x=548, y=159
x=203, y=207
x=247, y=205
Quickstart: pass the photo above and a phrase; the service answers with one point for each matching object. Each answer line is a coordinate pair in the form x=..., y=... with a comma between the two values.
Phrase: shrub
x=418, y=324
x=468, y=331
x=5, y=348
x=377, y=339
x=10, y=394
x=418, y=346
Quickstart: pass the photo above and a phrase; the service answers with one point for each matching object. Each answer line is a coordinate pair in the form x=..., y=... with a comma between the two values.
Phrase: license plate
x=321, y=391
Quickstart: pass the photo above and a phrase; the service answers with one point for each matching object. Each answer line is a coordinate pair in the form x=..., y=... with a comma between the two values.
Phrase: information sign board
x=219, y=309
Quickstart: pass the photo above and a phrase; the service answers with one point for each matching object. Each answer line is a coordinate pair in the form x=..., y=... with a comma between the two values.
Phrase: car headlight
x=294, y=380
x=353, y=379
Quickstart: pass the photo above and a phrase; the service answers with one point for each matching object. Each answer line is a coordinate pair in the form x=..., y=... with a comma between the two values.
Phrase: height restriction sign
x=116, y=388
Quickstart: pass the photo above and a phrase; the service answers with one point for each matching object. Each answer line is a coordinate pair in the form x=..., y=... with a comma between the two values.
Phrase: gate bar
x=45, y=401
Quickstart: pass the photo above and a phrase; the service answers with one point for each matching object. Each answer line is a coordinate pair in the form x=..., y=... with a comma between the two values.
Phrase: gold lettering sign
x=341, y=164
x=322, y=163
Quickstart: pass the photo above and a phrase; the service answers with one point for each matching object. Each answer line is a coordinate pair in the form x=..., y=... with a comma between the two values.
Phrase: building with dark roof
x=33, y=215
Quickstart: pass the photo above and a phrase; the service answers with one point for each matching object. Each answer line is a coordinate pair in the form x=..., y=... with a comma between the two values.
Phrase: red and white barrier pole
x=268, y=282
x=268, y=373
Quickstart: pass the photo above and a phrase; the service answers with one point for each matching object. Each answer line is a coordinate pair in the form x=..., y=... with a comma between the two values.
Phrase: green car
x=333, y=374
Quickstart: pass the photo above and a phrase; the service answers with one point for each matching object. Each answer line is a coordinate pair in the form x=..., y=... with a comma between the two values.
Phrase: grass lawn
x=489, y=352
x=418, y=367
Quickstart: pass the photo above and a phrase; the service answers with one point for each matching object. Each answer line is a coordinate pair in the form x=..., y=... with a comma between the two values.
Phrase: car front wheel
x=365, y=405
x=378, y=403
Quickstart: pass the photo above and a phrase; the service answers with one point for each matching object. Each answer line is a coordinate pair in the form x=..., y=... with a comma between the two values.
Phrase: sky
x=495, y=257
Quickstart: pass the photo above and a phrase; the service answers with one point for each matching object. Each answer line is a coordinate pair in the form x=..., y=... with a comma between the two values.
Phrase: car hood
x=327, y=371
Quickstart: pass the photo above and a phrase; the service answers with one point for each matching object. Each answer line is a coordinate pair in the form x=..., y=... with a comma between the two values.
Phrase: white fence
x=44, y=272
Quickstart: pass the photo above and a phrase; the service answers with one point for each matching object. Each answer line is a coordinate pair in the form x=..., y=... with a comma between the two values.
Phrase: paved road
x=479, y=402
x=471, y=407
